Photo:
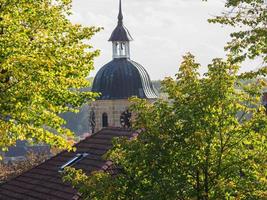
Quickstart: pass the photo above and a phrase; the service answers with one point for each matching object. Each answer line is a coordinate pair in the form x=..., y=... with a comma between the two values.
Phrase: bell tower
x=120, y=39
x=117, y=81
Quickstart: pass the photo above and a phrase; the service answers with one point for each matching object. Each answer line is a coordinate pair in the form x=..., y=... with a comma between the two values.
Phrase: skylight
x=73, y=161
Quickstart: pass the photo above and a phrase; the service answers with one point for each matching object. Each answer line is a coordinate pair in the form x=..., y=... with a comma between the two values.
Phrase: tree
x=208, y=143
x=209, y=140
x=44, y=62
x=249, y=17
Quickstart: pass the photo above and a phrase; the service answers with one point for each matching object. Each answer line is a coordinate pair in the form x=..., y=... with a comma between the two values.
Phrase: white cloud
x=163, y=30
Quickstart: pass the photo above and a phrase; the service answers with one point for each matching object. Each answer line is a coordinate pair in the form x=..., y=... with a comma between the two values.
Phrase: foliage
x=11, y=170
x=249, y=17
x=98, y=186
x=207, y=142
x=43, y=64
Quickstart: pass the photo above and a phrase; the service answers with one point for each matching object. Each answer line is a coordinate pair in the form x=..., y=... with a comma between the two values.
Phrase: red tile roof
x=44, y=182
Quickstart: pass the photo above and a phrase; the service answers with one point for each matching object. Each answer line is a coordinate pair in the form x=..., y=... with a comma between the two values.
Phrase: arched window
x=122, y=50
x=104, y=120
x=117, y=49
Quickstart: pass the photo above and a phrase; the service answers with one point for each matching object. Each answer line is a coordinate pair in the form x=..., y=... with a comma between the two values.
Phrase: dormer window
x=73, y=161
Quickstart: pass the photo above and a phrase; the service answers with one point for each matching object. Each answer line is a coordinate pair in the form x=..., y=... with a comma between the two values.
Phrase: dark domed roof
x=121, y=79
x=120, y=33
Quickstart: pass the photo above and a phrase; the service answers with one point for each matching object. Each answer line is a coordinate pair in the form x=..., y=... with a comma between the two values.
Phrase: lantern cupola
x=120, y=38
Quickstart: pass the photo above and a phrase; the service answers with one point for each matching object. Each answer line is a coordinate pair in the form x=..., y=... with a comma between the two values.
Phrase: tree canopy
x=208, y=141
x=44, y=62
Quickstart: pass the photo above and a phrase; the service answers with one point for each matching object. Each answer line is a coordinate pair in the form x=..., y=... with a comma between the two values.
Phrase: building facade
x=117, y=81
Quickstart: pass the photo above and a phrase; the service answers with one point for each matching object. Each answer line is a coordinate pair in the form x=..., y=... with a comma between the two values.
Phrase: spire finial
x=120, y=17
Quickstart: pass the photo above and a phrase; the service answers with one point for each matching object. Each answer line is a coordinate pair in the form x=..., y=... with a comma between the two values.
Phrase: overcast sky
x=163, y=31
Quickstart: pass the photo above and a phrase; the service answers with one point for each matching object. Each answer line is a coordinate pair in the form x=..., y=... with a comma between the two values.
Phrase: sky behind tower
x=163, y=31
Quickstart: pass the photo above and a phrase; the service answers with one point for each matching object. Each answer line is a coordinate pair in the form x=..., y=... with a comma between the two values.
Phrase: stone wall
x=113, y=108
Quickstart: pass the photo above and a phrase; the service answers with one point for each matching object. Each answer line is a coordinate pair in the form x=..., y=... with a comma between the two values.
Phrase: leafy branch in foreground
x=250, y=18
x=43, y=65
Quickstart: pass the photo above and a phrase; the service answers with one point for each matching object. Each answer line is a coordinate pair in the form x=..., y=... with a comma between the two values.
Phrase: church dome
x=123, y=78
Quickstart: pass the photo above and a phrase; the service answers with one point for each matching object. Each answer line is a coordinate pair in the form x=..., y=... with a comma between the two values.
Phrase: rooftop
x=44, y=181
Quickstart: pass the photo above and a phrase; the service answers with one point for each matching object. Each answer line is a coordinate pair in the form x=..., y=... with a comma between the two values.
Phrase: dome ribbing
x=122, y=79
